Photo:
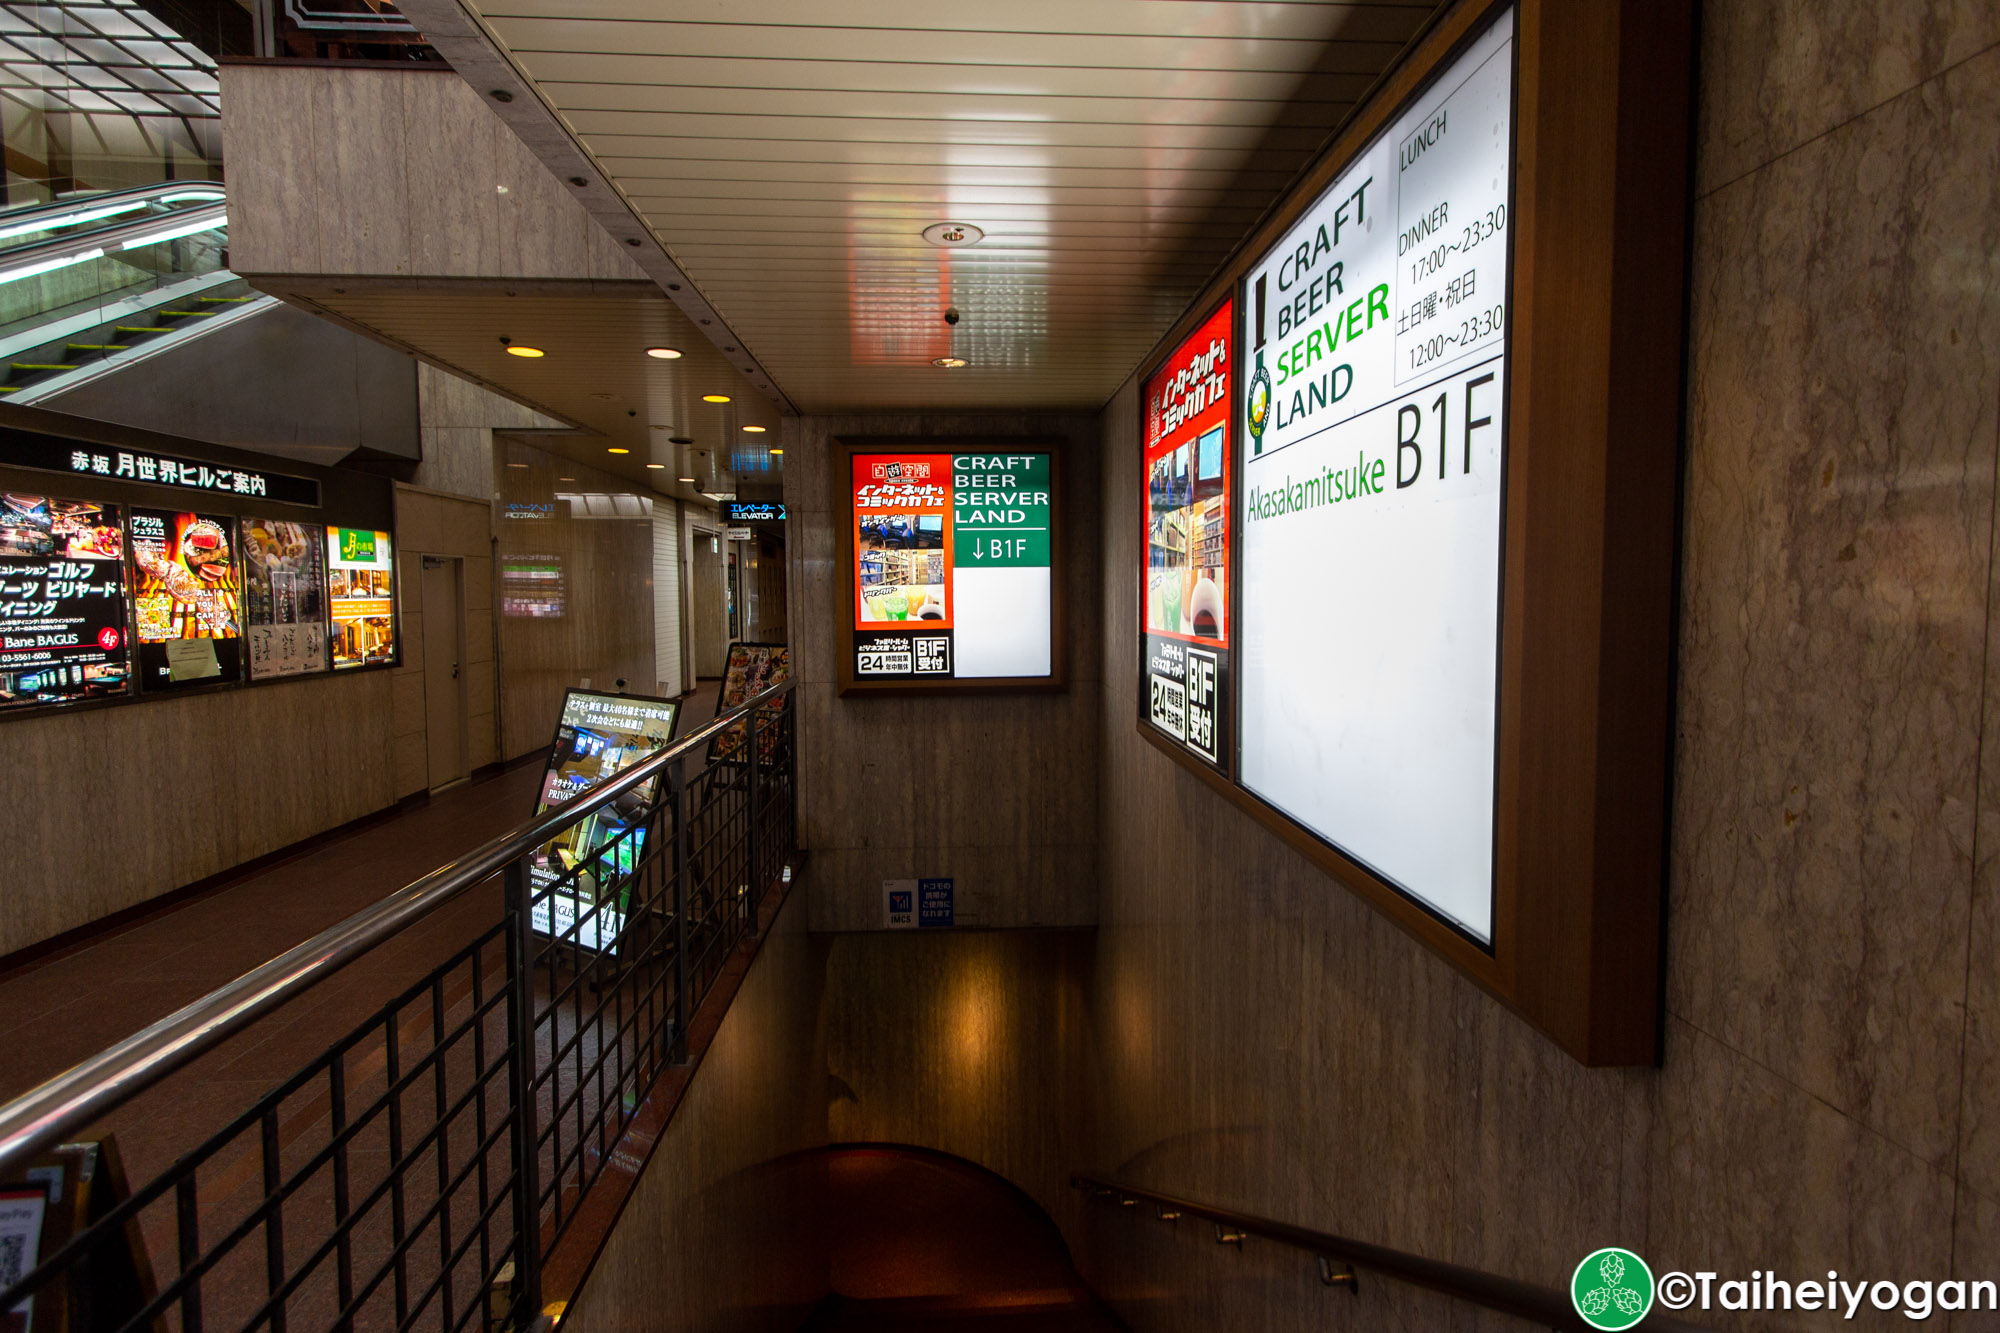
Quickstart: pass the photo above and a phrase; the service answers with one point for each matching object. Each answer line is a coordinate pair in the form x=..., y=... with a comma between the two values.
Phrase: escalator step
x=98, y=347
x=10, y=388
x=39, y=365
x=190, y=314
x=140, y=328
x=224, y=300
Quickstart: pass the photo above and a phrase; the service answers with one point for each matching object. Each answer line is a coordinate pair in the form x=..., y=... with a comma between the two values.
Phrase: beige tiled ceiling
x=595, y=374
x=788, y=153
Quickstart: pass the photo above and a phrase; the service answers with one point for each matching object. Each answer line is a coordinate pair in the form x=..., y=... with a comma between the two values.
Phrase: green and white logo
x=1612, y=1288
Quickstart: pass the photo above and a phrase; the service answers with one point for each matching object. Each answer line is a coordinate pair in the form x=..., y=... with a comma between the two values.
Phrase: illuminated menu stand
x=597, y=868
x=73, y=1188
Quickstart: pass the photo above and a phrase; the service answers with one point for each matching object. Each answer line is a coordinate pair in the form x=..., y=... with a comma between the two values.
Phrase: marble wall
x=722, y=1230
x=1832, y=1051
x=605, y=631
x=999, y=792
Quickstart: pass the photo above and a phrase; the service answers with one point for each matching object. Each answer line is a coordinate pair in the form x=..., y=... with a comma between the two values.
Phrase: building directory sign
x=586, y=867
x=951, y=565
x=1184, y=591
x=1372, y=418
x=146, y=467
x=62, y=601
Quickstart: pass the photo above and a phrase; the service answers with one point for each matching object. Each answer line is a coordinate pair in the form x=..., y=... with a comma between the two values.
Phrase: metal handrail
x=83, y=203
x=1506, y=1295
x=71, y=1100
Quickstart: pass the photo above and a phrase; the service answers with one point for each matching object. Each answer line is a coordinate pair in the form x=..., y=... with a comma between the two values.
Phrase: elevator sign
x=952, y=566
x=1377, y=336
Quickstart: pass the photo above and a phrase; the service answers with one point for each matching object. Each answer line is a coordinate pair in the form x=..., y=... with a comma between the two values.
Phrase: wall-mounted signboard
x=361, y=583
x=284, y=581
x=948, y=557
x=1446, y=560
x=147, y=467
x=62, y=601
x=1184, y=612
x=1377, y=331
x=752, y=511
x=597, y=737
x=187, y=607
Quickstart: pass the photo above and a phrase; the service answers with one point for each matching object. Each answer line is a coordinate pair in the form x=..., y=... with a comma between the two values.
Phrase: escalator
x=92, y=282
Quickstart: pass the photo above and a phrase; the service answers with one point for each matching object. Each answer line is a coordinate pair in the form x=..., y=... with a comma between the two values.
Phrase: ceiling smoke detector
x=950, y=234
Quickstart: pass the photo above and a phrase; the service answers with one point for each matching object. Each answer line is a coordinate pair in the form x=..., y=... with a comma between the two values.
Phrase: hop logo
x=1612, y=1289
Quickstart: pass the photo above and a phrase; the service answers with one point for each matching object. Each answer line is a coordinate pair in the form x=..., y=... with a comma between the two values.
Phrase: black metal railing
x=419, y=1172
x=1339, y=1256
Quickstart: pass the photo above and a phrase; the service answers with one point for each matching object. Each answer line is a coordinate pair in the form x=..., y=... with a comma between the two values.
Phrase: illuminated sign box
x=744, y=511
x=949, y=558
x=1445, y=578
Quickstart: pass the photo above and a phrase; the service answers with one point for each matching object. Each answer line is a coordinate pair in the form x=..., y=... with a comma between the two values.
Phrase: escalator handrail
x=84, y=203
x=105, y=239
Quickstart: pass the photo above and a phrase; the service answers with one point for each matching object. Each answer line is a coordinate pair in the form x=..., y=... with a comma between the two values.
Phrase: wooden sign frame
x=1595, y=401
x=841, y=466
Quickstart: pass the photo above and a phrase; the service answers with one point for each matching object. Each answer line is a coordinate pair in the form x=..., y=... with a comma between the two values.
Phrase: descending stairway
x=925, y=1243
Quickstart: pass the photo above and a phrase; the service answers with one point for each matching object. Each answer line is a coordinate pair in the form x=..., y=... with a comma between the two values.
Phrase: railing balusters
x=188, y=1224
x=521, y=1027
x=274, y=1224
x=336, y=1094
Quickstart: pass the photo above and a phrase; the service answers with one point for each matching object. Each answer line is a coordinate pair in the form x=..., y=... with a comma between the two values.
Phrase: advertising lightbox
x=187, y=603
x=949, y=556
x=284, y=581
x=1373, y=428
x=361, y=603
x=62, y=601
x=598, y=737
x=1184, y=616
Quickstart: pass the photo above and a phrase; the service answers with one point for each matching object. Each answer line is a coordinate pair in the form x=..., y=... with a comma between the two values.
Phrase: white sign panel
x=1372, y=486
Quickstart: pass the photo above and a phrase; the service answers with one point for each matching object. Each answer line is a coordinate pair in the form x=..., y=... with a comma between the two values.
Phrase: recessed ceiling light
x=565, y=478
x=519, y=349
x=753, y=430
x=950, y=234
x=688, y=480
x=777, y=453
x=950, y=362
x=664, y=353
x=657, y=467
x=715, y=398
x=517, y=465
x=614, y=449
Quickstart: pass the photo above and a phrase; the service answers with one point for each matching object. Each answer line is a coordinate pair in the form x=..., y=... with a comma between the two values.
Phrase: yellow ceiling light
x=753, y=430
x=521, y=349
x=664, y=353
x=657, y=467
x=715, y=398
x=688, y=480
x=950, y=362
x=777, y=453
x=614, y=449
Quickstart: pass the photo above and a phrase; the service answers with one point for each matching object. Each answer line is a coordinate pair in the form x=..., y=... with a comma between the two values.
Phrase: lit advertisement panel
x=187, y=600
x=62, y=601
x=284, y=583
x=1184, y=582
x=361, y=603
x=951, y=566
x=1372, y=427
x=599, y=736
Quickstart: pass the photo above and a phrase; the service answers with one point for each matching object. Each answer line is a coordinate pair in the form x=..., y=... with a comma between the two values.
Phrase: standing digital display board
x=284, y=578
x=1374, y=429
x=361, y=584
x=949, y=555
x=62, y=601
x=598, y=737
x=1184, y=614
x=187, y=602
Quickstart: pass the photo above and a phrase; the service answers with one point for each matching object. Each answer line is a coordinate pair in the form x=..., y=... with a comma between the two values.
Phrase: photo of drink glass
x=1170, y=601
